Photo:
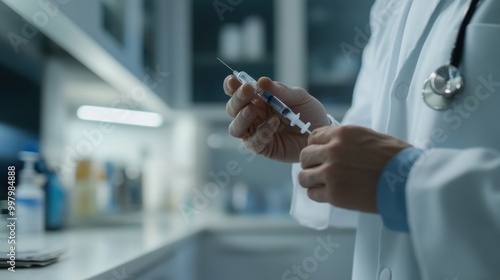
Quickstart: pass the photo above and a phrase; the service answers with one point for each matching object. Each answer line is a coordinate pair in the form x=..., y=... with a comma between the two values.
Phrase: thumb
x=289, y=96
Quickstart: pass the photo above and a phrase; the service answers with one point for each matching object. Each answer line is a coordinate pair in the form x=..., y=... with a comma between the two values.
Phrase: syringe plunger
x=295, y=121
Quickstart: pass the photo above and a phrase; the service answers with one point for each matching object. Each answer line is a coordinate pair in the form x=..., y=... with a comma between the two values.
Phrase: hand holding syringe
x=272, y=100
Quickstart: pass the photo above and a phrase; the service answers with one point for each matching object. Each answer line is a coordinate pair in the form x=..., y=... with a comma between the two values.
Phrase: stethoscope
x=446, y=83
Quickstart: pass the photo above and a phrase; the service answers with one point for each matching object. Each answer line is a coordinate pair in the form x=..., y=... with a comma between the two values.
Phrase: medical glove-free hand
x=262, y=129
x=342, y=165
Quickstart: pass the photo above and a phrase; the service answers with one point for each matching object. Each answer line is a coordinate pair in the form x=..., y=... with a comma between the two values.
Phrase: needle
x=225, y=64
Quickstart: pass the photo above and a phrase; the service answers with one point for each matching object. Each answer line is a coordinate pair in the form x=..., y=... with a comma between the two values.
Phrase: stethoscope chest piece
x=442, y=87
x=446, y=83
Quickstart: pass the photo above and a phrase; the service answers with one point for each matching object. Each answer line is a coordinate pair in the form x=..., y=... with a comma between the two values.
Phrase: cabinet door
x=228, y=29
x=179, y=263
x=283, y=255
x=113, y=25
x=338, y=31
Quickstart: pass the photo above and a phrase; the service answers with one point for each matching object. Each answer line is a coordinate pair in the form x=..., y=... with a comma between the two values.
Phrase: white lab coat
x=453, y=191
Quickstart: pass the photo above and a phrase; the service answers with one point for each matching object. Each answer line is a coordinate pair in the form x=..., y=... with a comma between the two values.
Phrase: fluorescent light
x=114, y=115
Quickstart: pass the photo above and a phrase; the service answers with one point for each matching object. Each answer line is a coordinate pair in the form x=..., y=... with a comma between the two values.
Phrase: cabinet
x=116, y=28
x=198, y=74
x=337, y=33
x=293, y=253
x=278, y=254
x=227, y=25
x=315, y=44
x=179, y=263
x=117, y=40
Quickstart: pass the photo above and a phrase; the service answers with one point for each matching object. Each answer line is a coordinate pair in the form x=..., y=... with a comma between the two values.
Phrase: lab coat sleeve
x=453, y=200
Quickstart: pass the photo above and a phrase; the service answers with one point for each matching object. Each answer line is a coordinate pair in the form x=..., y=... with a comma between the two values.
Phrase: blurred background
x=119, y=104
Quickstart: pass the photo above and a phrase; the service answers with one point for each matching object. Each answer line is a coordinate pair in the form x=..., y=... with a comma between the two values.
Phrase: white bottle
x=230, y=40
x=30, y=198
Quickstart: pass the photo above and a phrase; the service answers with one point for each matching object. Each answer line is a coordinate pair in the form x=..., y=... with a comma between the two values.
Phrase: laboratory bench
x=217, y=247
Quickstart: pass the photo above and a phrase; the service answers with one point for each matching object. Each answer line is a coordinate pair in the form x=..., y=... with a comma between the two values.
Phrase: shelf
x=208, y=73
x=332, y=76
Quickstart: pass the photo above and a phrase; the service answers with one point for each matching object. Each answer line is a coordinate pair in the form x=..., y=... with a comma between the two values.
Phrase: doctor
x=423, y=173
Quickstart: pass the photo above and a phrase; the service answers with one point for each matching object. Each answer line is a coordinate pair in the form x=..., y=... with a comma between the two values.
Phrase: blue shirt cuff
x=391, y=190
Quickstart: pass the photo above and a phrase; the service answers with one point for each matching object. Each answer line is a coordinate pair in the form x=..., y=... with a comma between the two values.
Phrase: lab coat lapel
x=420, y=17
x=419, y=23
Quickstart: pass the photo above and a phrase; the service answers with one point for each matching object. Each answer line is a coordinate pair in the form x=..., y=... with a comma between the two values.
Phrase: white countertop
x=91, y=252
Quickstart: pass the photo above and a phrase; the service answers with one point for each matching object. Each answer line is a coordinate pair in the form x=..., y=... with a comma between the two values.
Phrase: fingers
x=231, y=84
x=273, y=87
x=317, y=194
x=263, y=135
x=314, y=180
x=243, y=96
x=240, y=126
x=290, y=96
x=312, y=156
x=322, y=135
x=311, y=178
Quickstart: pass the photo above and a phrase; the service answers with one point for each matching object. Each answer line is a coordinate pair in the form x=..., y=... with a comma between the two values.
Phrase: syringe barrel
x=244, y=78
x=274, y=102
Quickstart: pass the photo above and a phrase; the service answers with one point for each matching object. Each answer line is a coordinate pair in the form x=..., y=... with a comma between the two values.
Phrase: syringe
x=272, y=100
